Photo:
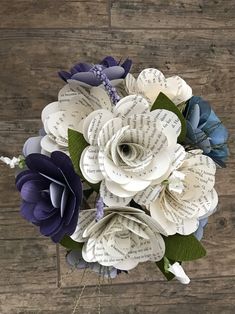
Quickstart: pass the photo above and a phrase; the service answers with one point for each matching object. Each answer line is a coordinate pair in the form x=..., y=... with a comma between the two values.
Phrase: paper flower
x=82, y=71
x=32, y=145
x=123, y=238
x=151, y=82
x=144, y=142
x=51, y=193
x=130, y=148
x=200, y=230
x=205, y=130
x=73, y=106
x=180, y=206
x=75, y=259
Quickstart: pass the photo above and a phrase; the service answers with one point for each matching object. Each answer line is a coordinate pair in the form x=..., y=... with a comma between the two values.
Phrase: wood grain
x=205, y=59
x=172, y=14
x=202, y=296
x=194, y=39
x=53, y=14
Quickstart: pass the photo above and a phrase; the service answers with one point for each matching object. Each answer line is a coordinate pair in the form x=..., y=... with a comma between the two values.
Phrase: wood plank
x=53, y=14
x=27, y=264
x=204, y=58
x=202, y=296
x=172, y=14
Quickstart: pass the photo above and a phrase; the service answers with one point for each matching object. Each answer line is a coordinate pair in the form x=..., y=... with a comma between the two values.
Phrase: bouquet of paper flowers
x=123, y=170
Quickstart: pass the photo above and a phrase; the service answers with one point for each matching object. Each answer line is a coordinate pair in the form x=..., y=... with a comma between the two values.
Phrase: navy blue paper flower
x=52, y=193
x=112, y=68
x=205, y=130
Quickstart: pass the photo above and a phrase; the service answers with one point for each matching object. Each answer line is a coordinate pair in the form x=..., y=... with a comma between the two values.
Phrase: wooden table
x=192, y=38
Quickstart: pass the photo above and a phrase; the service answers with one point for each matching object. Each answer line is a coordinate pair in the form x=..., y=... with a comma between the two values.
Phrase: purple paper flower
x=51, y=192
x=111, y=68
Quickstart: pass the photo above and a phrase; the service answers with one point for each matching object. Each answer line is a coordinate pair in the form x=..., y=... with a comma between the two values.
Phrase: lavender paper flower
x=51, y=193
x=205, y=130
x=111, y=68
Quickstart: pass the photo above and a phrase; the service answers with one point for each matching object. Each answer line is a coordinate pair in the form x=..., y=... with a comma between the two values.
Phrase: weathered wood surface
x=172, y=14
x=195, y=39
x=53, y=14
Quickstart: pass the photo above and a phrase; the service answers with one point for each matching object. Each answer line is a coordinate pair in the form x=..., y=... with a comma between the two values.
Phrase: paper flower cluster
x=123, y=171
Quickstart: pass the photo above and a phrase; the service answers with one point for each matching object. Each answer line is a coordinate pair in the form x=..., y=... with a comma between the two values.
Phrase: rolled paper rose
x=205, y=130
x=123, y=238
x=51, y=194
x=151, y=82
x=112, y=69
x=131, y=149
x=187, y=196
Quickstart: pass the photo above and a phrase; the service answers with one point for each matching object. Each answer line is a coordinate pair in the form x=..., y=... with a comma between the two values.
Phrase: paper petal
x=131, y=84
x=32, y=145
x=89, y=164
x=109, y=129
x=100, y=98
x=130, y=105
x=48, y=145
x=65, y=94
x=111, y=199
x=165, y=226
x=96, y=125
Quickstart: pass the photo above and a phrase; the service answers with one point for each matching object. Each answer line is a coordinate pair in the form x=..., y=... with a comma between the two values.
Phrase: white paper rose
x=123, y=238
x=130, y=148
x=188, y=195
x=151, y=82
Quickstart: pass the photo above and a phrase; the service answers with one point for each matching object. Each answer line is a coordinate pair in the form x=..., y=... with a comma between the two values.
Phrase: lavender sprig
x=99, y=209
x=98, y=72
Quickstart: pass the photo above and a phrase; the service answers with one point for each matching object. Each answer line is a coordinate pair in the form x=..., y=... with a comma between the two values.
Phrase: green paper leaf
x=77, y=144
x=183, y=248
x=163, y=265
x=163, y=102
x=70, y=244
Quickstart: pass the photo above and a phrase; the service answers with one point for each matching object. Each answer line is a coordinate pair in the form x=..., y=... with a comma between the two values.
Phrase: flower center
x=125, y=149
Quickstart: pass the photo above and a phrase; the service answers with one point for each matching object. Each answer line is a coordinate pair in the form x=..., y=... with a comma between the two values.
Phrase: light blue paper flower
x=200, y=230
x=75, y=259
x=205, y=130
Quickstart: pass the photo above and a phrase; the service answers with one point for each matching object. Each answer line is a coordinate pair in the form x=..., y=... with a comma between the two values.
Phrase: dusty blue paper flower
x=200, y=230
x=205, y=130
x=111, y=68
x=51, y=193
x=32, y=145
x=74, y=258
